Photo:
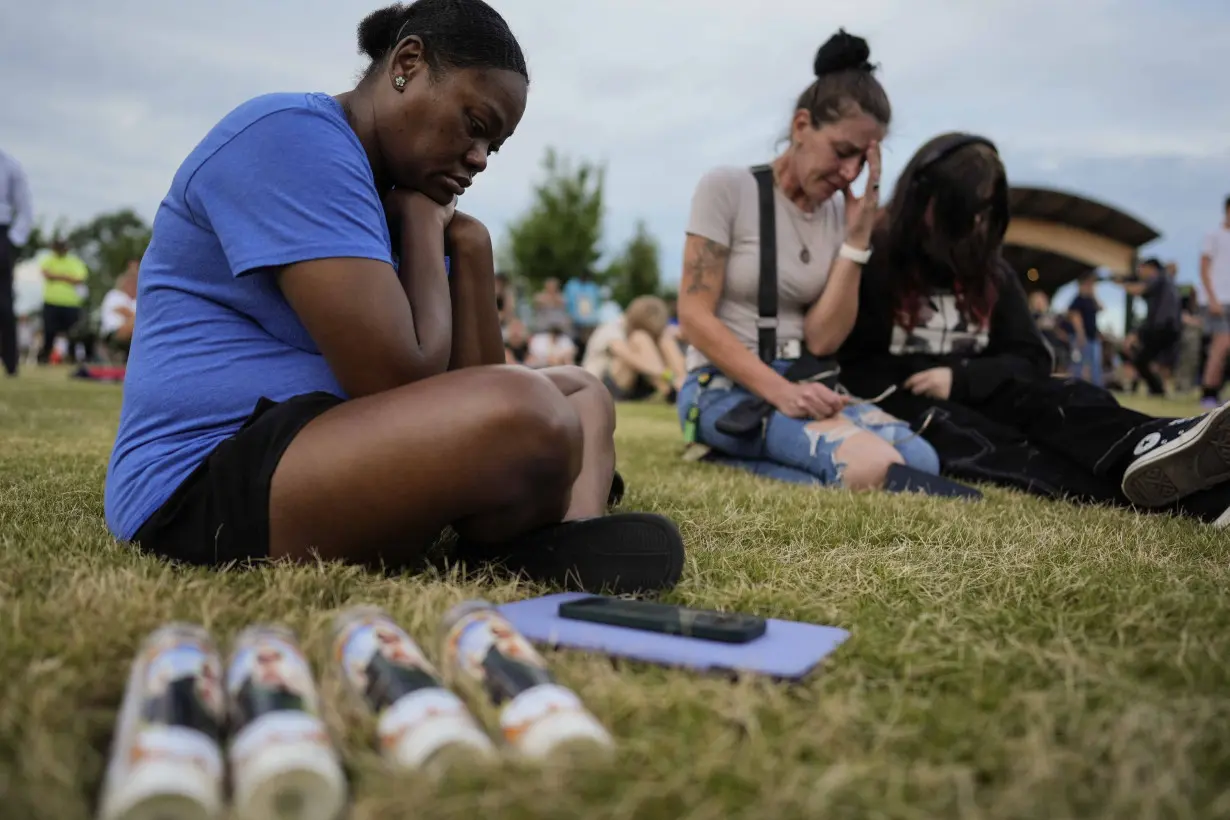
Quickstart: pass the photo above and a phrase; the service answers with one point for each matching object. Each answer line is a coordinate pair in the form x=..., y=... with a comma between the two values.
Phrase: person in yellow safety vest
x=63, y=294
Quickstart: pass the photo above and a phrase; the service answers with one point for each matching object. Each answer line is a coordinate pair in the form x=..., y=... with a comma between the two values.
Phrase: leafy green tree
x=636, y=271
x=106, y=243
x=561, y=234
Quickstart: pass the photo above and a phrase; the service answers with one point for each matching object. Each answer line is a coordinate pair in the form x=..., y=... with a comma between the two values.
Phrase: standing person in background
x=1087, y=344
x=1160, y=330
x=16, y=220
x=583, y=297
x=1215, y=276
x=64, y=274
x=1187, y=366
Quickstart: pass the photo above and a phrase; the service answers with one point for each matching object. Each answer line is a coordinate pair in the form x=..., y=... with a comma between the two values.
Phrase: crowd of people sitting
x=637, y=352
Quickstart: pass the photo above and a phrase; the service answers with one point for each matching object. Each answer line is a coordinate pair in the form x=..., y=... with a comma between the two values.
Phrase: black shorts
x=220, y=513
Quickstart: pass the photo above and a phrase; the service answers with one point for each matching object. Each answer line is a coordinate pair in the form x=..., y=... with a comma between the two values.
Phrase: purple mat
x=787, y=649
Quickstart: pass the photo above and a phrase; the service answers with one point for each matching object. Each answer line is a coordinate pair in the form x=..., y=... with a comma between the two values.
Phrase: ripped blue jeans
x=790, y=450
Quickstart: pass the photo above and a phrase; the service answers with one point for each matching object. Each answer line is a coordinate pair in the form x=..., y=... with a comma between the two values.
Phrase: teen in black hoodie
x=944, y=329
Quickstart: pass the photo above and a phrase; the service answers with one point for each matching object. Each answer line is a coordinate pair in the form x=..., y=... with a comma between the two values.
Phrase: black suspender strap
x=766, y=325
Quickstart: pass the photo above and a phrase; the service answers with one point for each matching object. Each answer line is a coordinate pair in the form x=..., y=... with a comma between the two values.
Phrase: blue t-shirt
x=281, y=179
x=583, y=299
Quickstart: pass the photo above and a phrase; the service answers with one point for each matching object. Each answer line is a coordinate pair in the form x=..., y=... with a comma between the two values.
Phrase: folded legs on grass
x=520, y=463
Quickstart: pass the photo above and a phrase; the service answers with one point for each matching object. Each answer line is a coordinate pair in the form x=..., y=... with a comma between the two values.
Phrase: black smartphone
x=727, y=627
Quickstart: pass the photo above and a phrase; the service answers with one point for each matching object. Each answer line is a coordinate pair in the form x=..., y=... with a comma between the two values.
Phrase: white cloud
x=103, y=102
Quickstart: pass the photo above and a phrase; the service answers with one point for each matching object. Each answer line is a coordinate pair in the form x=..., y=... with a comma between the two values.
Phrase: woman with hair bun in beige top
x=813, y=434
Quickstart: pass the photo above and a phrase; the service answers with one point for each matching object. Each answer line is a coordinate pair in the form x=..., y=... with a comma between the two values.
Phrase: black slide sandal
x=620, y=553
x=616, y=496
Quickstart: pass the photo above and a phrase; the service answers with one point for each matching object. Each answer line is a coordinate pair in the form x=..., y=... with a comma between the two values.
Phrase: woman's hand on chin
x=402, y=205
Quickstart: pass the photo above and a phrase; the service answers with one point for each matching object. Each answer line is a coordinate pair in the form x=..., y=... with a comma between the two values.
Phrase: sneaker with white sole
x=1180, y=458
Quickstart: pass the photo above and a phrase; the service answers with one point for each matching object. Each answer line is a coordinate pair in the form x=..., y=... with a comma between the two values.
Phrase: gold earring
x=400, y=83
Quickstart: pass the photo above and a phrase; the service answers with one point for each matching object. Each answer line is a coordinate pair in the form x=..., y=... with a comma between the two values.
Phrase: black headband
x=948, y=147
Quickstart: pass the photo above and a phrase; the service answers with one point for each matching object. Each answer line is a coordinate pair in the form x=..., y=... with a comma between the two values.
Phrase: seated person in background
x=637, y=355
x=811, y=434
x=943, y=323
x=119, y=311
x=583, y=298
x=1052, y=329
x=338, y=395
x=516, y=342
x=550, y=309
x=505, y=298
x=552, y=347
x=1187, y=366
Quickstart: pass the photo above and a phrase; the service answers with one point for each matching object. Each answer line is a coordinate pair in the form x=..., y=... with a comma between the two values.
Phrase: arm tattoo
x=709, y=256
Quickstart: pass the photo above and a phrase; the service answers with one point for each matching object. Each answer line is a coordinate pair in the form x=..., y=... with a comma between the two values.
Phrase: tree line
x=559, y=236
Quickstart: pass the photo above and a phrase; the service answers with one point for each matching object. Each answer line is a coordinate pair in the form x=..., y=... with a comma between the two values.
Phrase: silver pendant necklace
x=805, y=253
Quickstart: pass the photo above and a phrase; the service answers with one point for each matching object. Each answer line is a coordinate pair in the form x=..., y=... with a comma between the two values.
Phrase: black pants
x=8, y=321
x=1058, y=438
x=1152, y=345
x=56, y=320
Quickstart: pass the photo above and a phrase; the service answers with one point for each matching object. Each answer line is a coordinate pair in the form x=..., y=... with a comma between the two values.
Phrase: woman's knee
x=539, y=432
x=865, y=460
x=592, y=400
x=915, y=451
x=918, y=453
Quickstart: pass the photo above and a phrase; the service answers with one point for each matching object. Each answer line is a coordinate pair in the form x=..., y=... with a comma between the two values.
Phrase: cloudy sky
x=1125, y=101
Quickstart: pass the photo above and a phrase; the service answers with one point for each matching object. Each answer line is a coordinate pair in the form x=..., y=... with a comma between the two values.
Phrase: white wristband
x=854, y=254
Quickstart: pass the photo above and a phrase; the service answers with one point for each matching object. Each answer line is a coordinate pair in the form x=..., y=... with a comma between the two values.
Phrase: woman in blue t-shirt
x=310, y=377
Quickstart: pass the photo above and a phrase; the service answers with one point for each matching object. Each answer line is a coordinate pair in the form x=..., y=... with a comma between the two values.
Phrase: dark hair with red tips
x=948, y=215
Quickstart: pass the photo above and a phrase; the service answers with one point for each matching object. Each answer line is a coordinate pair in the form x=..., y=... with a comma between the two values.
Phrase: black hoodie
x=880, y=353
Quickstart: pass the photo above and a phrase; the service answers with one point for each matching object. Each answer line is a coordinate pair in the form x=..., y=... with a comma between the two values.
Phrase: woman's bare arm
x=829, y=321
x=378, y=328
x=704, y=276
x=477, y=339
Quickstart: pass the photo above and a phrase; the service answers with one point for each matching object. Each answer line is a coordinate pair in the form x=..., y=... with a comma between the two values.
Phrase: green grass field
x=1009, y=659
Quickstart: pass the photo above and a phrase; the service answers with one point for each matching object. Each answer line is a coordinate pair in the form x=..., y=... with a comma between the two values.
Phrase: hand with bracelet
x=861, y=212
